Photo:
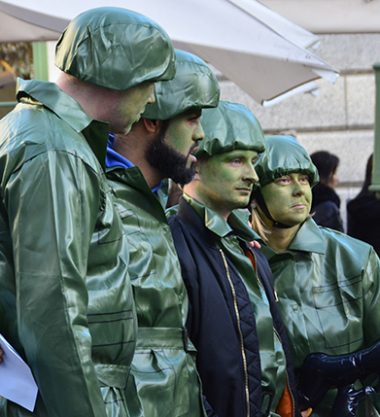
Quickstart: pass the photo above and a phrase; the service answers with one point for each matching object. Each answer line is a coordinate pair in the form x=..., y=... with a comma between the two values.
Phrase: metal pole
x=40, y=61
x=375, y=185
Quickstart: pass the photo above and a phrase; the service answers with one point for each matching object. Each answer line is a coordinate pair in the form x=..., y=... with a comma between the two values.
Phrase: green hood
x=228, y=127
x=284, y=155
x=194, y=86
x=115, y=48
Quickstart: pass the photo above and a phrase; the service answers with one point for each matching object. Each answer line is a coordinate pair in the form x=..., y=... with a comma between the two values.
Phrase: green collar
x=237, y=222
x=67, y=109
x=53, y=98
x=309, y=238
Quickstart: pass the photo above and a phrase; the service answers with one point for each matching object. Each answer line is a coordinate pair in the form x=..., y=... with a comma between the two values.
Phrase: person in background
x=328, y=286
x=65, y=298
x=233, y=320
x=326, y=202
x=363, y=213
x=164, y=381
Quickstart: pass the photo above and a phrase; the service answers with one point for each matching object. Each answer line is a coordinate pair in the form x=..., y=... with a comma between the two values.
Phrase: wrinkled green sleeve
x=371, y=294
x=52, y=202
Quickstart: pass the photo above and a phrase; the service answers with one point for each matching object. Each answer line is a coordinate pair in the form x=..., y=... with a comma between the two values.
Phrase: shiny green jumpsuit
x=328, y=285
x=163, y=370
x=65, y=296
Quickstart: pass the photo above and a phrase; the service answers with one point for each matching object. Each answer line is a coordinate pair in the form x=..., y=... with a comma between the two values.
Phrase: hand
x=254, y=244
x=306, y=413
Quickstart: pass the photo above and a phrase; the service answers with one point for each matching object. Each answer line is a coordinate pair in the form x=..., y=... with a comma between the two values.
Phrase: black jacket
x=363, y=219
x=212, y=322
x=326, y=207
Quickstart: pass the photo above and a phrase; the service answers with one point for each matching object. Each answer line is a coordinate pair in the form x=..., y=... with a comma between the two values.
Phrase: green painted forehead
x=228, y=127
x=194, y=86
x=108, y=46
x=284, y=155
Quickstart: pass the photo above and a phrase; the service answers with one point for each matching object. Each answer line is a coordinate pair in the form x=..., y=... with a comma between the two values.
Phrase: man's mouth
x=191, y=160
x=298, y=206
x=245, y=189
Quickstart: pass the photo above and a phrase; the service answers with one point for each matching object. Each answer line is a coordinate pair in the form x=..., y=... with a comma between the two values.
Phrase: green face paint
x=288, y=198
x=184, y=131
x=226, y=180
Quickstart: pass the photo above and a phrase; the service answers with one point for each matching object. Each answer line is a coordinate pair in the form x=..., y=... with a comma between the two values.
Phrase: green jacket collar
x=53, y=98
x=134, y=178
x=308, y=239
x=237, y=221
x=67, y=109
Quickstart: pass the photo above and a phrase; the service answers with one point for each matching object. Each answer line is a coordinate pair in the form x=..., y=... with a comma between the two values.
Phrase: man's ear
x=152, y=126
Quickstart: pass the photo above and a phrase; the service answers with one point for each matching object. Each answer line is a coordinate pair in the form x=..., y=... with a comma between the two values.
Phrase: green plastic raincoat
x=163, y=371
x=328, y=285
x=65, y=296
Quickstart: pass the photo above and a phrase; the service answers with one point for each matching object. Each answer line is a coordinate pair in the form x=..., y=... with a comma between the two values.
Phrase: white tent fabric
x=331, y=16
x=256, y=48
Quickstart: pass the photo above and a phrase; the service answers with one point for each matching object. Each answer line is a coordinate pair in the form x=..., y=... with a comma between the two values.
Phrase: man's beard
x=170, y=163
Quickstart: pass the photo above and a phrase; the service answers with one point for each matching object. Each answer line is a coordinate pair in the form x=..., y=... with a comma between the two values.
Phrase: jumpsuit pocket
x=151, y=385
x=113, y=335
x=339, y=309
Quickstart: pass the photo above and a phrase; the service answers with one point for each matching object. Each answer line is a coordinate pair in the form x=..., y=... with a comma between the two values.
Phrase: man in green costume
x=328, y=284
x=65, y=296
x=233, y=320
x=158, y=147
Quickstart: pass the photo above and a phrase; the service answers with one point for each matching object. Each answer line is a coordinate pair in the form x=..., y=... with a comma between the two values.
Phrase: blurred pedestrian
x=326, y=202
x=363, y=213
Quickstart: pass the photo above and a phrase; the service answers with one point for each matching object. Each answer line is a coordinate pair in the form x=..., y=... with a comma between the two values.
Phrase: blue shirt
x=114, y=159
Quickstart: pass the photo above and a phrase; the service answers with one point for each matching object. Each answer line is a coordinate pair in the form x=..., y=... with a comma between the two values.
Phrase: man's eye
x=283, y=180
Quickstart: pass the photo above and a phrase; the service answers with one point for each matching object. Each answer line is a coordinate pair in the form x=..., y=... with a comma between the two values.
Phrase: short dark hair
x=326, y=163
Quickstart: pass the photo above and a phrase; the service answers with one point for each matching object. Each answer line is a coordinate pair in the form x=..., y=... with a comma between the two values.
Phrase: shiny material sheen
x=163, y=381
x=115, y=48
x=284, y=155
x=65, y=296
x=228, y=127
x=194, y=86
x=328, y=286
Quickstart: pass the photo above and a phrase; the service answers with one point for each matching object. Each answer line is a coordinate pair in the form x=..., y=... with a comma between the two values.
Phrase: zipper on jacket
x=280, y=340
x=239, y=330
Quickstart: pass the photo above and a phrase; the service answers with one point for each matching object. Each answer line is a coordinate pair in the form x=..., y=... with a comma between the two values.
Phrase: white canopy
x=331, y=16
x=256, y=48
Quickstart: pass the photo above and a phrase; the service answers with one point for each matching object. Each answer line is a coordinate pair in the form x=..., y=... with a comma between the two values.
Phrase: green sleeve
x=52, y=202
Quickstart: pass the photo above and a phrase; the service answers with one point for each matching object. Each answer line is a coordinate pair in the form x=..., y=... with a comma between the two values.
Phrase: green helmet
x=194, y=86
x=115, y=48
x=229, y=127
x=284, y=155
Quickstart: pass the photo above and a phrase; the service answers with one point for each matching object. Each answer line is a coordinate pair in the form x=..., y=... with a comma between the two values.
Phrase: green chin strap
x=115, y=48
x=261, y=203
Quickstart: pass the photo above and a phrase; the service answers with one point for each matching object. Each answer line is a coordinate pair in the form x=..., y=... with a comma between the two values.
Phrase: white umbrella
x=254, y=47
